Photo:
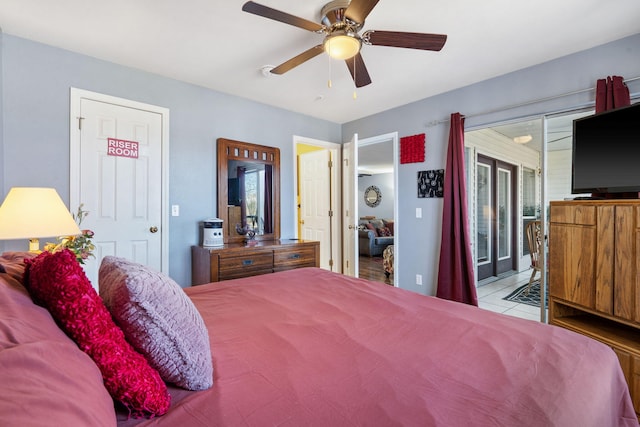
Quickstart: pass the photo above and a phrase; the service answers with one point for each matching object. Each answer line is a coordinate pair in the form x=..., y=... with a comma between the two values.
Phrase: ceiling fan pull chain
x=329, y=84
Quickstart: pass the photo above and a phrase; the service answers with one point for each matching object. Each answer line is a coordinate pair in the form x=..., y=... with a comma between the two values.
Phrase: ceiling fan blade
x=407, y=40
x=276, y=15
x=358, y=70
x=358, y=10
x=297, y=60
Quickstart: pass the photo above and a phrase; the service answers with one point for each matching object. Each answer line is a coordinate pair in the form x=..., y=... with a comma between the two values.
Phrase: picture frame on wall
x=431, y=183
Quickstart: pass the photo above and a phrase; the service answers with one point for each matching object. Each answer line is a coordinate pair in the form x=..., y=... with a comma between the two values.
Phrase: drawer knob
x=294, y=256
x=247, y=261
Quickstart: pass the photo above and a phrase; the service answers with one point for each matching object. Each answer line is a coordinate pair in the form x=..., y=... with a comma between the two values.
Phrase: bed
x=309, y=347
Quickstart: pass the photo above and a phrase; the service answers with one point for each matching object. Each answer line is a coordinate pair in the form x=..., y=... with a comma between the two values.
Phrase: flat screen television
x=606, y=153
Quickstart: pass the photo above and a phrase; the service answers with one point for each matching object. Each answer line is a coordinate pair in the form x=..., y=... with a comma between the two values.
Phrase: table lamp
x=30, y=213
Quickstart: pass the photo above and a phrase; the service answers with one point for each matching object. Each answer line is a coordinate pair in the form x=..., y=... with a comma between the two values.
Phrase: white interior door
x=119, y=179
x=350, y=207
x=315, y=202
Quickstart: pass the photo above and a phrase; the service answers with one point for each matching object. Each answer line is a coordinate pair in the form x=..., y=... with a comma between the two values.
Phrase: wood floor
x=371, y=269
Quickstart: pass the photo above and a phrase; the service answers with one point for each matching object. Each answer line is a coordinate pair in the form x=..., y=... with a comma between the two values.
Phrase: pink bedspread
x=313, y=348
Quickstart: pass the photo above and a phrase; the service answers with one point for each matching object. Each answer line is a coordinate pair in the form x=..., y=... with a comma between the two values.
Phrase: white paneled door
x=315, y=202
x=120, y=179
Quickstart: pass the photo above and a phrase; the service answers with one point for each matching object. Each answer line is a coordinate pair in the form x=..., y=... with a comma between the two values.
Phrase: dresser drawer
x=294, y=258
x=236, y=260
x=570, y=214
x=250, y=264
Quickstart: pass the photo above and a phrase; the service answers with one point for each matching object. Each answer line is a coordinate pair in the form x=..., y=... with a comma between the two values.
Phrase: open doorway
x=332, y=251
x=317, y=175
x=541, y=148
x=503, y=188
x=377, y=247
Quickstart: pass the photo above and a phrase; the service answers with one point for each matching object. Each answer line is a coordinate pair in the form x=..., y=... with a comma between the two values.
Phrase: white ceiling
x=375, y=158
x=212, y=43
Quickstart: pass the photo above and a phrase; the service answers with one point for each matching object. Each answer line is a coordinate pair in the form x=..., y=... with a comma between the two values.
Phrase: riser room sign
x=122, y=148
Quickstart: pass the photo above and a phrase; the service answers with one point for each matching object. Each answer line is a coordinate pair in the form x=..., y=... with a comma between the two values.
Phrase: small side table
x=387, y=260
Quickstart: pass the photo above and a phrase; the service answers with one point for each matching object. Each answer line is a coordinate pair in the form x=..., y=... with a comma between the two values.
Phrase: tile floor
x=491, y=291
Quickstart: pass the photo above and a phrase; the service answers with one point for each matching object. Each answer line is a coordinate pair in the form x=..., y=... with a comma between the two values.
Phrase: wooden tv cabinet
x=235, y=260
x=594, y=276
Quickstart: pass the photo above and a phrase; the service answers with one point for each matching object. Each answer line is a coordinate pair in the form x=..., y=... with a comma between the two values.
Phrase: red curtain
x=611, y=93
x=455, y=274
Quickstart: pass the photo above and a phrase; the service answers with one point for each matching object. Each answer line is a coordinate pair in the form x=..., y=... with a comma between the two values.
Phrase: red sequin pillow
x=57, y=282
x=384, y=232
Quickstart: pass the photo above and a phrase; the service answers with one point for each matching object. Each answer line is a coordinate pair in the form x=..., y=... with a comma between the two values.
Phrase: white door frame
x=350, y=259
x=74, y=152
x=393, y=136
x=336, y=173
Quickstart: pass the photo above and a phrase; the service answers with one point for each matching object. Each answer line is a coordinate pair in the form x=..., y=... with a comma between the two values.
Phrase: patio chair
x=534, y=238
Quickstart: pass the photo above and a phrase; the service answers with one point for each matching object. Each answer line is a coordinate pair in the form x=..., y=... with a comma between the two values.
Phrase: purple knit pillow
x=159, y=320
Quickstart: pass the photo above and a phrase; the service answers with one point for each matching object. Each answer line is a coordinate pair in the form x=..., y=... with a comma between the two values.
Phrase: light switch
x=418, y=212
x=175, y=210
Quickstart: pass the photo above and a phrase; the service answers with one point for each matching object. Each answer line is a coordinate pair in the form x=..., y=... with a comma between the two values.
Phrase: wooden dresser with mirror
x=249, y=199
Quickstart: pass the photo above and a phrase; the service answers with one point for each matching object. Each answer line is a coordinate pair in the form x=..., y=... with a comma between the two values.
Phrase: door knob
x=302, y=221
x=352, y=227
x=153, y=229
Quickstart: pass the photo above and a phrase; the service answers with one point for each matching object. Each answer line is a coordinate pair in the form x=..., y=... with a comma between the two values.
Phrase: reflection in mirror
x=249, y=195
x=248, y=190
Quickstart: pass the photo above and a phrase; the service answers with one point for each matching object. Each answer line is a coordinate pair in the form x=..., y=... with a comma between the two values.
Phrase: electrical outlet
x=419, y=279
x=175, y=210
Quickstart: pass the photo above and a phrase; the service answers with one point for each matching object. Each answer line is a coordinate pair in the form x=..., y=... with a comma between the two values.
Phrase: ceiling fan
x=340, y=23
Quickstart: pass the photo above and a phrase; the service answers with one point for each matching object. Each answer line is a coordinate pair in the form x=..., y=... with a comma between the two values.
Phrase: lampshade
x=342, y=45
x=29, y=213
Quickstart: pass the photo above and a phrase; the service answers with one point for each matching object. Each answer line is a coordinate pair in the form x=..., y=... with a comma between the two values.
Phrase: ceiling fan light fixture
x=342, y=45
x=522, y=139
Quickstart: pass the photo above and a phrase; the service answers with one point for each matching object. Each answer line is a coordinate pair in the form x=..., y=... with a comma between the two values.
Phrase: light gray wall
x=384, y=181
x=35, y=93
x=420, y=238
x=34, y=142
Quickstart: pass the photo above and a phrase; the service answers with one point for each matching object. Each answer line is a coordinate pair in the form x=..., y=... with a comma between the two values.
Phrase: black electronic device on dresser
x=606, y=153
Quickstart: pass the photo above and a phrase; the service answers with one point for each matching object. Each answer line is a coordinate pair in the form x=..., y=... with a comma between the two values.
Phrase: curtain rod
x=524, y=104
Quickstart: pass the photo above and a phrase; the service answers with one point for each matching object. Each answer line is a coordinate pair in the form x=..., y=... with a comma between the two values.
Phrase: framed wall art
x=412, y=148
x=431, y=183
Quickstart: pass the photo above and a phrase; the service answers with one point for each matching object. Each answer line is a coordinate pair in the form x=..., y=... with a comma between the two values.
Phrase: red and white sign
x=122, y=148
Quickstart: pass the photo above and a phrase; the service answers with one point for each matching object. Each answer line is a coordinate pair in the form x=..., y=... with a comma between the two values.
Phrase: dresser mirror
x=248, y=190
